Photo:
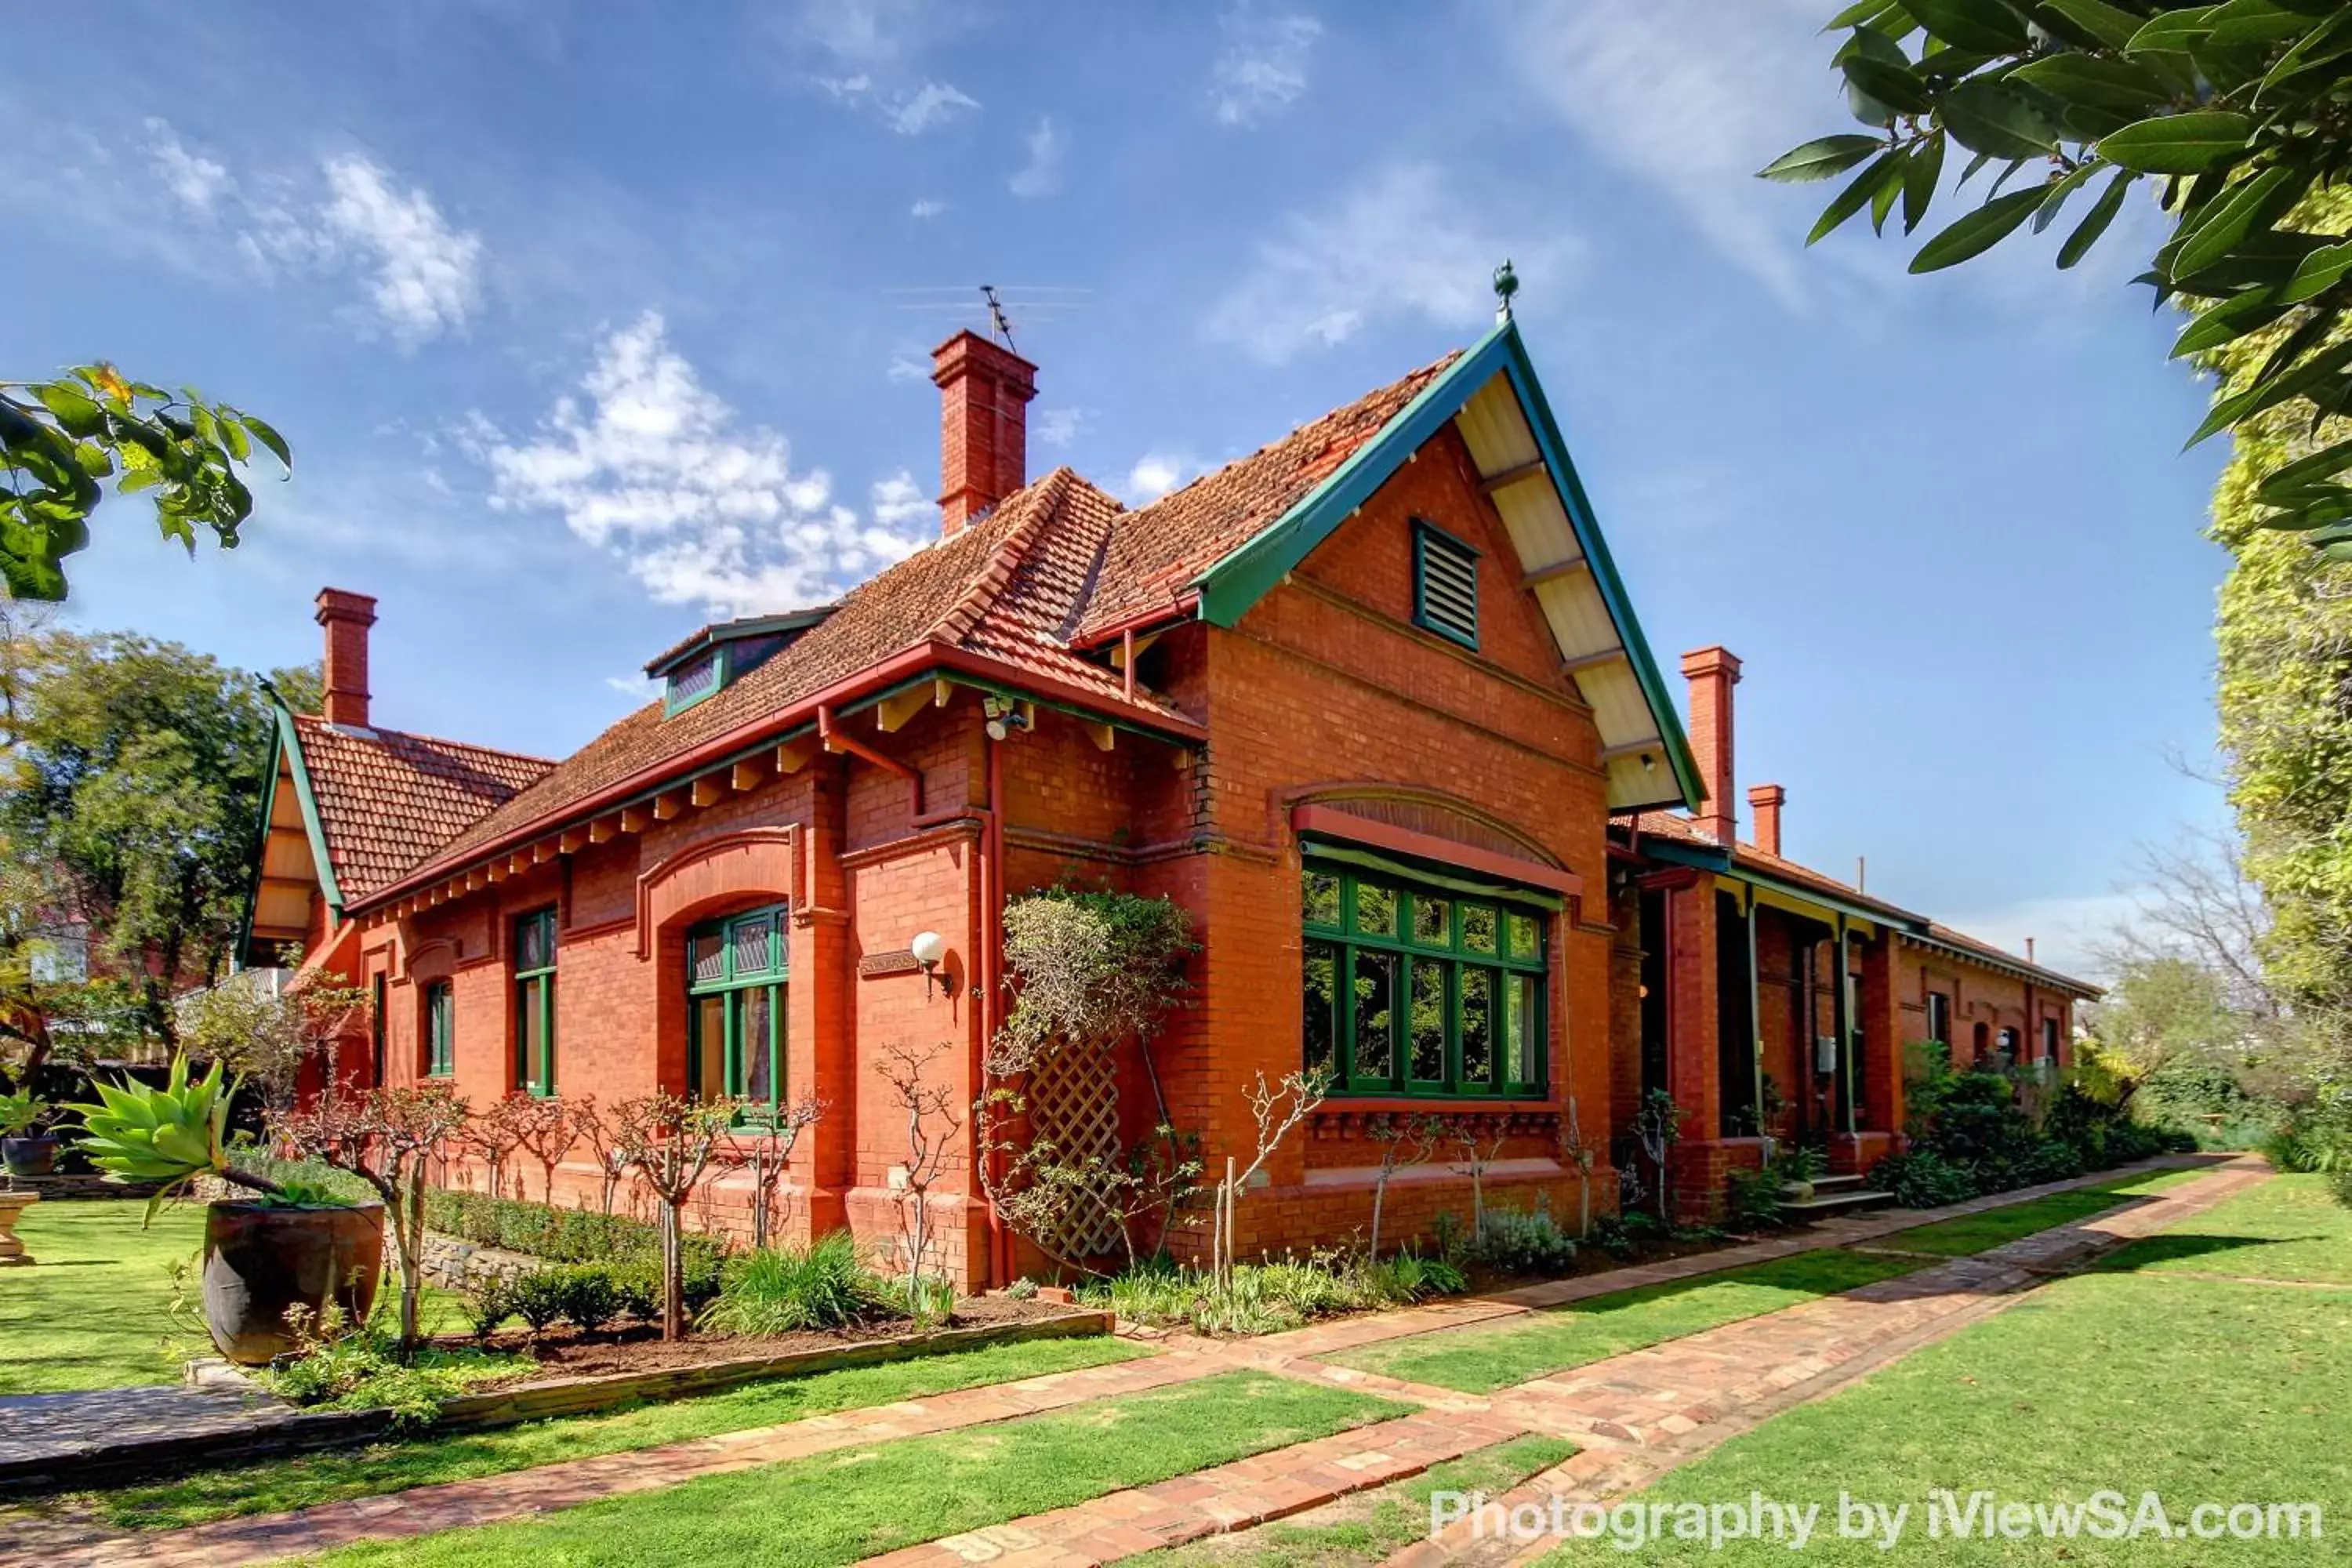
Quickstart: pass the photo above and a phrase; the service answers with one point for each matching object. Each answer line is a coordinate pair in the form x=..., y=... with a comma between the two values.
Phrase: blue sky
x=588, y=322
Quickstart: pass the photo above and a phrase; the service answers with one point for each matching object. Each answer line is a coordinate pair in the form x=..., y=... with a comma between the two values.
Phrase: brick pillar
x=822, y=1051
x=1712, y=673
x=1697, y=1168
x=346, y=616
x=1881, y=1033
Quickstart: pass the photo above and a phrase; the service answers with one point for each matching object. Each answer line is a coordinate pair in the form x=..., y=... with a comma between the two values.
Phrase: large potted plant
x=287, y=1245
x=23, y=1153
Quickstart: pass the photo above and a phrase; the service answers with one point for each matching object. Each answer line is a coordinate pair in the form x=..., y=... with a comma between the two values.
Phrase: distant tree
x=134, y=773
x=60, y=440
x=2237, y=113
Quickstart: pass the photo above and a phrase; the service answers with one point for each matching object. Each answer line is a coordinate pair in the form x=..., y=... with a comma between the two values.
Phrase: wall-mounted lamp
x=929, y=947
x=1004, y=717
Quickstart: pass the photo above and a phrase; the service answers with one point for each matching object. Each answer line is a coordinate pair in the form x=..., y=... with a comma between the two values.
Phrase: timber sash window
x=736, y=986
x=440, y=1030
x=534, y=982
x=1421, y=989
x=1939, y=1017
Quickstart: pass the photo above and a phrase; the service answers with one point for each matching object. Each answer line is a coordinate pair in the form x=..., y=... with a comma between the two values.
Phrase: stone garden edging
x=77, y=1460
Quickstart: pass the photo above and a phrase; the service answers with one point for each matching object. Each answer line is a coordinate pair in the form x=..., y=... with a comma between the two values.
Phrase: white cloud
x=1691, y=97
x=908, y=368
x=1262, y=69
x=1154, y=475
x=195, y=181
x=637, y=689
x=872, y=31
x=649, y=465
x=1042, y=175
x=426, y=273
x=898, y=501
x=927, y=207
x=1059, y=427
x=909, y=112
x=932, y=103
x=1403, y=243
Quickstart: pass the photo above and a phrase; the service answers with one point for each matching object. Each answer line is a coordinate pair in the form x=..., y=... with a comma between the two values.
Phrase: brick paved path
x=1645, y=1412
x=1635, y=1415
x=1209, y=1502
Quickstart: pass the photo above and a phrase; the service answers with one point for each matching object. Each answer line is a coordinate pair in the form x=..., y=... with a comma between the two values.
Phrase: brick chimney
x=347, y=617
x=984, y=393
x=1768, y=799
x=1712, y=673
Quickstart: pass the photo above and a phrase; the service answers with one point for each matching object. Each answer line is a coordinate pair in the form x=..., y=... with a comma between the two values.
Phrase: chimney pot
x=1712, y=673
x=1766, y=801
x=346, y=616
x=984, y=393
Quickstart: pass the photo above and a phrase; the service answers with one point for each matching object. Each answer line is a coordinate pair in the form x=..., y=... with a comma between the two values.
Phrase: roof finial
x=1507, y=283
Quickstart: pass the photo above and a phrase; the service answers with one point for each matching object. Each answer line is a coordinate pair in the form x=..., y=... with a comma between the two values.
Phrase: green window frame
x=737, y=981
x=440, y=1029
x=697, y=680
x=1412, y=988
x=534, y=990
x=1445, y=584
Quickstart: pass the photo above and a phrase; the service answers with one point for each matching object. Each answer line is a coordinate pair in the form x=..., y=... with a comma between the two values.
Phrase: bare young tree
x=932, y=1129
x=496, y=1132
x=1275, y=1111
x=545, y=1128
x=1581, y=1155
x=670, y=1141
x=1404, y=1142
x=599, y=1132
x=1474, y=1152
x=2194, y=901
x=386, y=1137
x=764, y=1149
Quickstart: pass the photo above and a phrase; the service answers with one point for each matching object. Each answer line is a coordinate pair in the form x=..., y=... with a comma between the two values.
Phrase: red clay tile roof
x=387, y=799
x=1671, y=825
x=1022, y=585
x=1156, y=551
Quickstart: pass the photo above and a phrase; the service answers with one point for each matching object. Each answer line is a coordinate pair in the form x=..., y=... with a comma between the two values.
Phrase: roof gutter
x=1183, y=608
x=731, y=745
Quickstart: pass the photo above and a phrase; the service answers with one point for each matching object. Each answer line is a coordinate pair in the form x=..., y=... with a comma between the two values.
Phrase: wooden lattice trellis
x=1073, y=1096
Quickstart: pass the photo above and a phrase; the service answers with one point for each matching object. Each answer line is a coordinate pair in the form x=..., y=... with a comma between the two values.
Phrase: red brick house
x=1371, y=704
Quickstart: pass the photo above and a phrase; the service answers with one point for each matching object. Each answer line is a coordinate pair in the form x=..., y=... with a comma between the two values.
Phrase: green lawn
x=278, y=1485
x=2197, y=1391
x=2287, y=1228
x=841, y=1507
x=1479, y=1360
x=1974, y=1233
x=1370, y=1527
x=92, y=1311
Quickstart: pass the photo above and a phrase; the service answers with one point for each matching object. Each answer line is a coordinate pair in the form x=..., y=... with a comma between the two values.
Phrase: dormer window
x=1445, y=584
x=717, y=656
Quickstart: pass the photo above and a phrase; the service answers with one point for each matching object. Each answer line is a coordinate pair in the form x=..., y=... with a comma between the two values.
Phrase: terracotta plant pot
x=30, y=1156
x=12, y=1206
x=260, y=1259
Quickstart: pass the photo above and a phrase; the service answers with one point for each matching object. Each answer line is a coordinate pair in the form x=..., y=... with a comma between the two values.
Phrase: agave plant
x=171, y=1134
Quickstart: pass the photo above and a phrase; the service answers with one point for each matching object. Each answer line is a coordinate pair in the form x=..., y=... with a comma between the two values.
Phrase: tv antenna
x=1000, y=306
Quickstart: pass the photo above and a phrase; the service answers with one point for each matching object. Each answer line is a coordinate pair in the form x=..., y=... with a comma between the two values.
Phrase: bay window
x=1421, y=987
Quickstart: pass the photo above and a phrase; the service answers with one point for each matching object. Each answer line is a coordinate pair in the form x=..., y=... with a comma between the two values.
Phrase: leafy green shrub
x=784, y=1289
x=335, y=1369
x=1753, y=1197
x=539, y=1298
x=590, y=1298
x=1923, y=1180
x=2339, y=1185
x=1265, y=1298
x=1522, y=1241
x=489, y=1302
x=1622, y=1234
x=638, y=1286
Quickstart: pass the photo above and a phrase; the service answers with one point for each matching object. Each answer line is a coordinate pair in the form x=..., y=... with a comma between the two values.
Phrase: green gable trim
x=309, y=802
x=1613, y=597
x=260, y=837
x=1707, y=858
x=1251, y=569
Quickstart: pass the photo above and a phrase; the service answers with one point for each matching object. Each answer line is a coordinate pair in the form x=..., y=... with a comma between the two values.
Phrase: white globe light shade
x=929, y=947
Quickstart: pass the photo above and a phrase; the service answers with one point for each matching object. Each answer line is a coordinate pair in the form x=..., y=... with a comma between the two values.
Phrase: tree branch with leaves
x=60, y=440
